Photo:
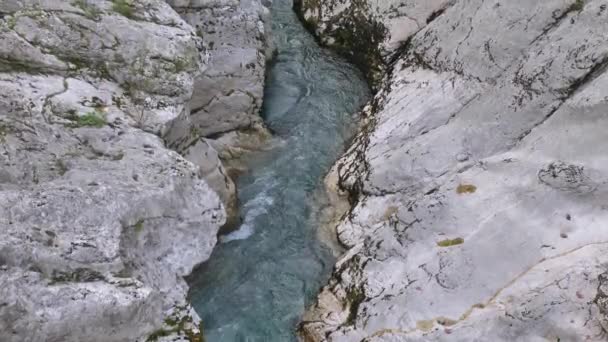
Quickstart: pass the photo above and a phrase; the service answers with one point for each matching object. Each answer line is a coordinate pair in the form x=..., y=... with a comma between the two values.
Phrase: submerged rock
x=484, y=131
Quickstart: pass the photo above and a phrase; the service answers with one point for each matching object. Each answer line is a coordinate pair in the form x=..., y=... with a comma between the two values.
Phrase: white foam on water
x=254, y=208
x=243, y=233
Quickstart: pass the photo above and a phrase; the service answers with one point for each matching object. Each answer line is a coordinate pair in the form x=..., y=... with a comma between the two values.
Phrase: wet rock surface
x=477, y=191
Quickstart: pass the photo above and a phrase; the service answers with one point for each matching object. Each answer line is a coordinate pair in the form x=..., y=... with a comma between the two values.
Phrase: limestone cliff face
x=368, y=32
x=100, y=216
x=228, y=94
x=478, y=184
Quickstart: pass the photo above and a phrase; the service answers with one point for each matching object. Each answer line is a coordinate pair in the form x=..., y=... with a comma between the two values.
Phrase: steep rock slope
x=228, y=94
x=478, y=184
x=99, y=220
x=369, y=32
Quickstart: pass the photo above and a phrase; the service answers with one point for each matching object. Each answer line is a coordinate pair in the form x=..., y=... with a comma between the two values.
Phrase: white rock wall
x=480, y=183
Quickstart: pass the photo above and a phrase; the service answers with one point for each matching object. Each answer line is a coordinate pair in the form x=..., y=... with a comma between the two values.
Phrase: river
x=261, y=277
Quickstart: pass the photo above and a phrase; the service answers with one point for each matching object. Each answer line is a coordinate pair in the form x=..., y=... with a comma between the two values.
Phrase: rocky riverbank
x=477, y=187
x=227, y=96
x=115, y=117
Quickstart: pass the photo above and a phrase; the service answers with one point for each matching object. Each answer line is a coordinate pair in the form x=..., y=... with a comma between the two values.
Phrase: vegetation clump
x=355, y=297
x=354, y=34
x=577, y=6
x=181, y=64
x=139, y=226
x=4, y=130
x=91, y=119
x=79, y=275
x=123, y=7
x=466, y=189
x=450, y=242
x=178, y=326
x=11, y=22
x=90, y=11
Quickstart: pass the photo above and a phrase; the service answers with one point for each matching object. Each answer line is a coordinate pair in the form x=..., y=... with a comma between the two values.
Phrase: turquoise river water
x=261, y=277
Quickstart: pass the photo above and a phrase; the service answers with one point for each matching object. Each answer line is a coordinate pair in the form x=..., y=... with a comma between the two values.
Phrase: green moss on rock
x=577, y=6
x=139, y=226
x=90, y=11
x=91, y=119
x=4, y=130
x=358, y=38
x=123, y=7
x=178, y=326
x=353, y=33
x=355, y=297
x=80, y=275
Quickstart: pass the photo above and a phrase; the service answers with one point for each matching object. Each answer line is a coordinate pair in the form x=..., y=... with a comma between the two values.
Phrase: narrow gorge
x=261, y=276
x=339, y=170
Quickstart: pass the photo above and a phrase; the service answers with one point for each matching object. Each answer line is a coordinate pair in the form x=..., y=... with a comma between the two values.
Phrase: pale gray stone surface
x=480, y=183
x=99, y=219
x=228, y=93
x=212, y=170
x=401, y=19
x=369, y=33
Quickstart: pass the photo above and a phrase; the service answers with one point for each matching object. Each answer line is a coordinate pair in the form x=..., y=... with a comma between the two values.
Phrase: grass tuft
x=450, y=242
x=91, y=119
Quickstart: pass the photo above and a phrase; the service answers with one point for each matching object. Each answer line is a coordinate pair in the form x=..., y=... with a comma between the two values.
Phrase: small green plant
x=577, y=6
x=178, y=326
x=158, y=334
x=450, y=242
x=466, y=189
x=3, y=133
x=90, y=11
x=123, y=7
x=80, y=275
x=181, y=64
x=11, y=22
x=195, y=132
x=139, y=226
x=355, y=297
x=91, y=119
